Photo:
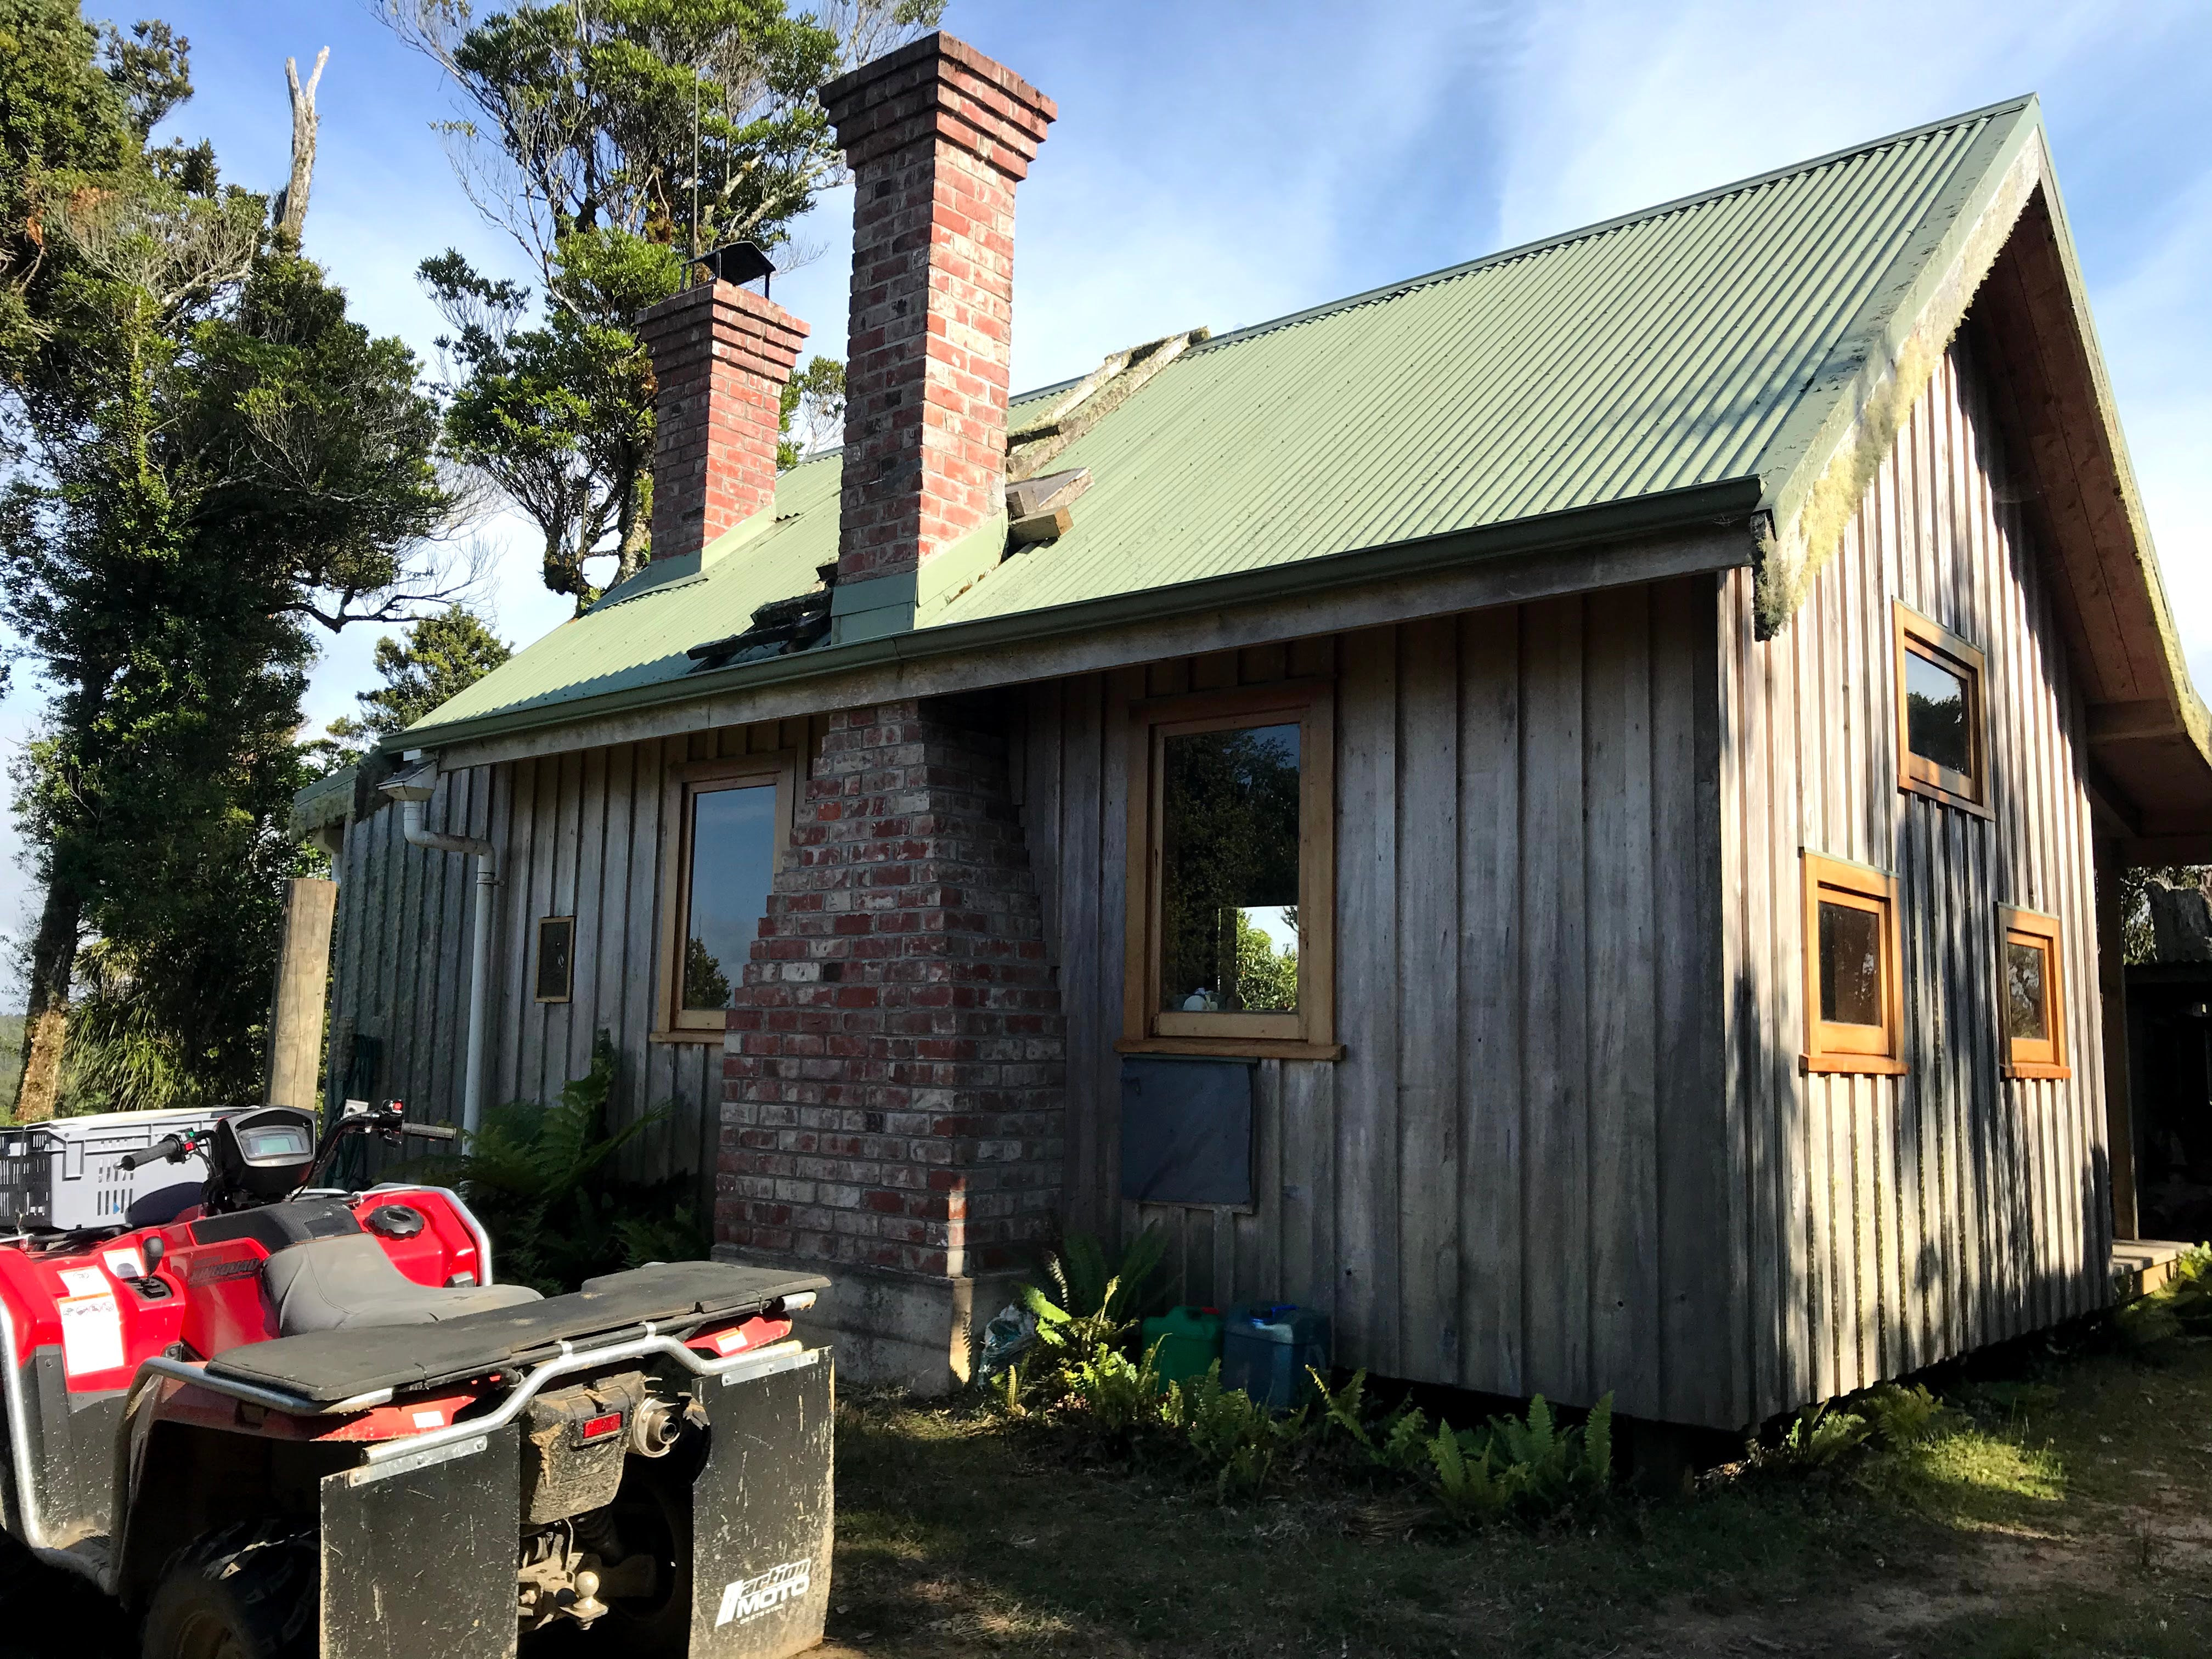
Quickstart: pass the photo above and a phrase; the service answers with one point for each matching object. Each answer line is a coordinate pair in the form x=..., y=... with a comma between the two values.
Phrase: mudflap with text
x=761, y=1510
x=418, y=1553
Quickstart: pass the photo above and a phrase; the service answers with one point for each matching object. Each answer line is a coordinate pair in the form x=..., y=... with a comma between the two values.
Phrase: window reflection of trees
x=1229, y=846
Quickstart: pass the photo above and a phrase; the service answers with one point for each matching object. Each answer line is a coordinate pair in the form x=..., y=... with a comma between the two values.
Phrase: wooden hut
x=1564, y=811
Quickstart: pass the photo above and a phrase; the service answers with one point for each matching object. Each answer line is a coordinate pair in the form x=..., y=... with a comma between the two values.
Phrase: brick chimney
x=936, y=135
x=722, y=356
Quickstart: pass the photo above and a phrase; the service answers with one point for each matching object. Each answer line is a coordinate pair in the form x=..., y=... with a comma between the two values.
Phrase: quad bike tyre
x=247, y=1592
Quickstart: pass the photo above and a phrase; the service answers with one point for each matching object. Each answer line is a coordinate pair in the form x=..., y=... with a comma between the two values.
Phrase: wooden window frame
x=1917, y=635
x=2026, y=1057
x=684, y=783
x=1831, y=1046
x=538, y=961
x=1310, y=1032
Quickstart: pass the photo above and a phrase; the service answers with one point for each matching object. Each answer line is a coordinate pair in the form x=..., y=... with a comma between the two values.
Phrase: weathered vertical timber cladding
x=580, y=834
x=1516, y=1178
x=1890, y=1221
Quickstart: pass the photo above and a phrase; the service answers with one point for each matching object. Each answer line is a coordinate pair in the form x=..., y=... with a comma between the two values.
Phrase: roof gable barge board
x=1508, y=564
x=1829, y=449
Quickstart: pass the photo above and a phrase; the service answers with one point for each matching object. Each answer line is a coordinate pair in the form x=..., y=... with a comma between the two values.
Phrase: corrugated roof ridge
x=1547, y=243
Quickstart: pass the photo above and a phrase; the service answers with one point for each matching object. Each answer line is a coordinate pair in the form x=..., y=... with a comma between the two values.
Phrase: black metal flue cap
x=738, y=262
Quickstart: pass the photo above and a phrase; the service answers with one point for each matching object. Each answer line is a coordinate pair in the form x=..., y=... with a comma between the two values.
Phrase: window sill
x=1230, y=1048
x=698, y=1034
x=1863, y=1065
x=1944, y=797
x=2037, y=1070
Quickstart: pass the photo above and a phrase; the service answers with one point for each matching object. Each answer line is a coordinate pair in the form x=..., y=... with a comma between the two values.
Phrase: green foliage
x=1094, y=1300
x=1900, y=1416
x=812, y=413
x=1818, y=1436
x=438, y=657
x=537, y=1178
x=2182, y=1307
x=1234, y=1437
x=207, y=456
x=615, y=140
x=1467, y=1487
x=1117, y=1394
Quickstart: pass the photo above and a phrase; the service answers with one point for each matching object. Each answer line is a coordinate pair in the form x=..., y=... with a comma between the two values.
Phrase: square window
x=2031, y=982
x=729, y=822
x=1230, y=931
x=1854, y=1017
x=1942, y=744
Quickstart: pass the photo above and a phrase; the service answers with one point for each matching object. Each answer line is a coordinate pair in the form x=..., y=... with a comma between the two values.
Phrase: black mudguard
x=761, y=1510
x=418, y=1557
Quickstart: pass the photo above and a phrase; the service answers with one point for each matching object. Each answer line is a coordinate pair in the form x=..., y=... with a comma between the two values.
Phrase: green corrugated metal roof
x=1680, y=347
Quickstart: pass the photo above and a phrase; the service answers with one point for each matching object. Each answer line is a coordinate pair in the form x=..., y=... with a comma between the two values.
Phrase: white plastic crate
x=66, y=1174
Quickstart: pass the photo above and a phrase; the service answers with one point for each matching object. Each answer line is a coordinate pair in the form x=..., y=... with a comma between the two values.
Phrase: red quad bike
x=284, y=1420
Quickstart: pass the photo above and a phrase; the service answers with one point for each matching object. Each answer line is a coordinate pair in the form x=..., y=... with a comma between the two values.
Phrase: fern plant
x=537, y=1176
x=1232, y=1433
x=1818, y=1436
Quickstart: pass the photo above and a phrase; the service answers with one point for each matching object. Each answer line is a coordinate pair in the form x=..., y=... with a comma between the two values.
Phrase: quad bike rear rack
x=572, y=1358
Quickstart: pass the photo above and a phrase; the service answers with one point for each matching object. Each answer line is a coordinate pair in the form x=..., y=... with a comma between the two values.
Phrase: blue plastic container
x=1267, y=1347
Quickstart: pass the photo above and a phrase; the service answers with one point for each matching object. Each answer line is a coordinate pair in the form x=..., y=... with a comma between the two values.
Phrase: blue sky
x=1222, y=163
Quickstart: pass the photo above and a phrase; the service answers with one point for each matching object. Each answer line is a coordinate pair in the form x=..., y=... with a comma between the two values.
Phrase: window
x=1231, y=898
x=1942, y=741
x=727, y=823
x=556, y=957
x=1854, y=1007
x=2031, y=1004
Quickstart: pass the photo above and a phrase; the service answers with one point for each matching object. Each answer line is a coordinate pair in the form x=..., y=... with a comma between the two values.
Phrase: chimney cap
x=739, y=263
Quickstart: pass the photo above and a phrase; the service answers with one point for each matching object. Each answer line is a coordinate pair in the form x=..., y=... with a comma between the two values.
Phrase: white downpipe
x=487, y=858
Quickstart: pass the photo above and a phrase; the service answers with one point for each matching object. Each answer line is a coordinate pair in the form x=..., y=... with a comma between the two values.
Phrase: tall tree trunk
x=636, y=524
x=45, y=1024
x=292, y=200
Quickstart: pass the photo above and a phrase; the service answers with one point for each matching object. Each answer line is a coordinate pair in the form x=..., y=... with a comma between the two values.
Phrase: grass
x=2061, y=1512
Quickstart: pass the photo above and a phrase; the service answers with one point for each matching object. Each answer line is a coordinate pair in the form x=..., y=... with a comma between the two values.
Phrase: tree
x=441, y=656
x=813, y=412
x=615, y=140
x=212, y=456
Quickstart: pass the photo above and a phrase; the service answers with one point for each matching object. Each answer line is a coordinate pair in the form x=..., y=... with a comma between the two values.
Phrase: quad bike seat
x=339, y=1283
x=334, y=1363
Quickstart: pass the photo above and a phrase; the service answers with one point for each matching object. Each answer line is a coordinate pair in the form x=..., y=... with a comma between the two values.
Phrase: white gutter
x=412, y=789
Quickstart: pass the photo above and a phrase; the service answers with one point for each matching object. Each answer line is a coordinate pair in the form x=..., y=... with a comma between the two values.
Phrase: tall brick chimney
x=936, y=135
x=722, y=356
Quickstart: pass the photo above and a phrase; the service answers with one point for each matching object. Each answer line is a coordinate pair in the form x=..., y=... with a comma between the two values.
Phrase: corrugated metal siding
x=1652, y=354
x=1895, y=1221
x=580, y=835
x=1514, y=1181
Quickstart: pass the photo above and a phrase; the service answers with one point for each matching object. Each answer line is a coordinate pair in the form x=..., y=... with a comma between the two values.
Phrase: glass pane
x=2025, y=1015
x=1229, y=871
x=732, y=860
x=1935, y=715
x=1851, y=965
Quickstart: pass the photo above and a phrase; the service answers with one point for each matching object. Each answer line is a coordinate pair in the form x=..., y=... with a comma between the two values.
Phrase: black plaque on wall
x=556, y=957
x=1186, y=1131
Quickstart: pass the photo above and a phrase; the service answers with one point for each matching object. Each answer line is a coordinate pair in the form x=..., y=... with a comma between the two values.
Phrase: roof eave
x=1727, y=500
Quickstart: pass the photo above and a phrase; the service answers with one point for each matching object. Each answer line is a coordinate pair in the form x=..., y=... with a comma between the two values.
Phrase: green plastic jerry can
x=1189, y=1340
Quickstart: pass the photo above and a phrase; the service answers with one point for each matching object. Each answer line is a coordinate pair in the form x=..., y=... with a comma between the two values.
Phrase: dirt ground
x=2066, y=1511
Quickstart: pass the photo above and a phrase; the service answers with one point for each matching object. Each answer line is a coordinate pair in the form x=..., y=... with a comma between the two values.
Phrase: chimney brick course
x=894, y=1064
x=936, y=135
x=722, y=356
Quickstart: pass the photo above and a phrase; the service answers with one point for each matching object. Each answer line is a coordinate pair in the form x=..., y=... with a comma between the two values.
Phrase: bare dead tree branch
x=292, y=200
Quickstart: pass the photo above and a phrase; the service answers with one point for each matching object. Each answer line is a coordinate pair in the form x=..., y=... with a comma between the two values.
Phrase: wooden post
x=295, y=1014
x=2112, y=1009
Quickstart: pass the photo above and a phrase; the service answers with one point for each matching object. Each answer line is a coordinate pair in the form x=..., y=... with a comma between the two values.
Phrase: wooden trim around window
x=2025, y=1057
x=673, y=1022
x=1309, y=1033
x=1916, y=635
x=1834, y=1047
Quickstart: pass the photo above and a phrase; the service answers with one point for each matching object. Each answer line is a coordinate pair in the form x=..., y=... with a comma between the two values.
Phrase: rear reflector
x=599, y=1427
